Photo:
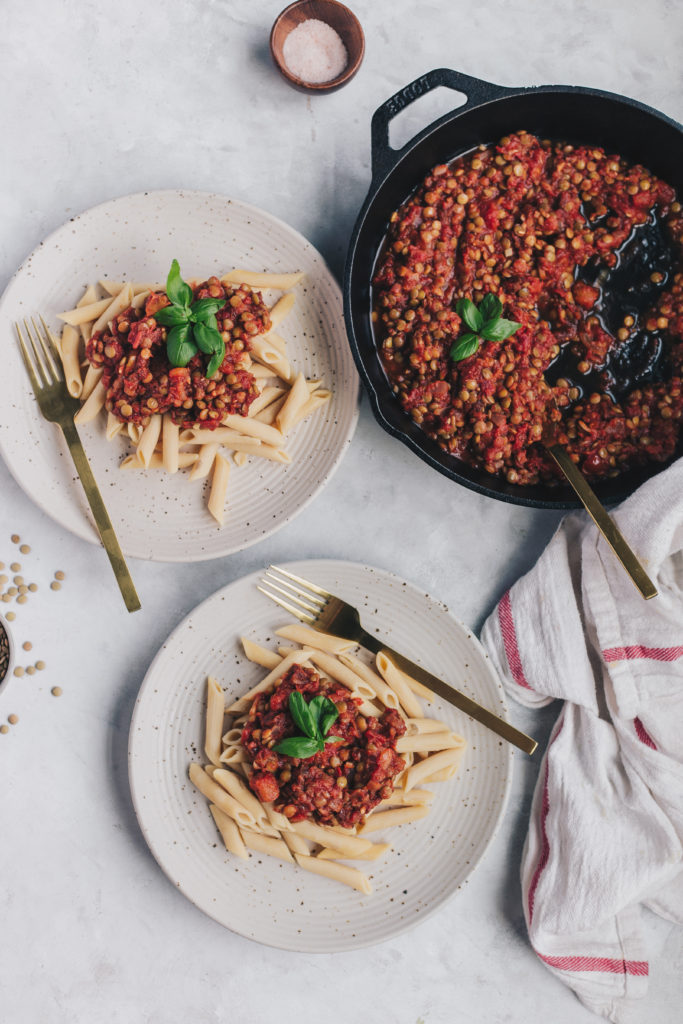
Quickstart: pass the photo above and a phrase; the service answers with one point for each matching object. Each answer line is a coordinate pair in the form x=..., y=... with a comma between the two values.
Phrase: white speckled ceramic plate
x=136, y=237
x=265, y=899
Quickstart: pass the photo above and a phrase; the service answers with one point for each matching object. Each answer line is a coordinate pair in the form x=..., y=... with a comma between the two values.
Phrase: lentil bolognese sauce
x=341, y=783
x=141, y=381
x=546, y=227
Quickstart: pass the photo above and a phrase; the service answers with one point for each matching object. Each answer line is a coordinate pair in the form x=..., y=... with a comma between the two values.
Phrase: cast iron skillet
x=619, y=125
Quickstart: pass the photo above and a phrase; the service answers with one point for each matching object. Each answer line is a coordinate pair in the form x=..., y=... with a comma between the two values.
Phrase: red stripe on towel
x=545, y=845
x=638, y=651
x=643, y=735
x=596, y=963
x=509, y=634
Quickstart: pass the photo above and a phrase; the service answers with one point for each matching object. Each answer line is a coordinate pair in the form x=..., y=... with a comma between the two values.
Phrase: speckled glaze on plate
x=158, y=516
x=264, y=899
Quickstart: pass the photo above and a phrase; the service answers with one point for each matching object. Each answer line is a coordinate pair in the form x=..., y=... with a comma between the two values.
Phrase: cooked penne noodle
x=243, y=703
x=215, y=710
x=261, y=371
x=400, y=798
x=278, y=341
x=139, y=300
x=376, y=851
x=89, y=296
x=92, y=378
x=296, y=844
x=169, y=444
x=269, y=414
x=205, y=459
x=396, y=816
x=239, y=458
x=281, y=309
x=256, y=280
x=238, y=789
x=421, y=725
x=229, y=831
x=418, y=688
x=68, y=351
x=314, y=638
x=220, y=435
x=232, y=736
x=443, y=774
x=134, y=432
x=265, y=844
x=156, y=461
x=428, y=741
x=382, y=690
x=235, y=755
x=314, y=402
x=338, y=872
x=93, y=404
x=395, y=680
x=217, y=795
x=252, y=446
x=113, y=428
x=110, y=287
x=268, y=355
x=259, y=655
x=341, y=674
x=148, y=439
x=346, y=844
x=424, y=770
x=219, y=487
x=84, y=314
x=115, y=306
x=269, y=395
x=278, y=821
x=294, y=402
x=252, y=428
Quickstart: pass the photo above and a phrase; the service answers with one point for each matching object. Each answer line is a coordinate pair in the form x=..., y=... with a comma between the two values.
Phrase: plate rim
x=88, y=532
x=509, y=761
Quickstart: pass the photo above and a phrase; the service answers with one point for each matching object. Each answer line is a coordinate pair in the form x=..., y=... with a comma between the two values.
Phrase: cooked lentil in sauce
x=547, y=227
x=140, y=380
x=340, y=784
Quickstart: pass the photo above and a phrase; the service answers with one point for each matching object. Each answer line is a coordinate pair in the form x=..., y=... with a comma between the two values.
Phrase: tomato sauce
x=338, y=785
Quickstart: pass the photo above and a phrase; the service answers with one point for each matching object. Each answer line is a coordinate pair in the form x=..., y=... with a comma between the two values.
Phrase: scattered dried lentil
x=18, y=671
x=10, y=616
x=27, y=645
x=15, y=567
x=25, y=549
x=40, y=665
x=15, y=538
x=59, y=575
x=56, y=691
x=4, y=729
x=13, y=719
x=30, y=670
x=55, y=585
x=33, y=587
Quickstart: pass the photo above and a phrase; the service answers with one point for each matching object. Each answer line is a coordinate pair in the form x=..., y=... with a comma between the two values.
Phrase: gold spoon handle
x=604, y=522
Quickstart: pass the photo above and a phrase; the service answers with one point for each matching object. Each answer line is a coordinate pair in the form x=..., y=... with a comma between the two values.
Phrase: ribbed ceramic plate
x=158, y=516
x=274, y=902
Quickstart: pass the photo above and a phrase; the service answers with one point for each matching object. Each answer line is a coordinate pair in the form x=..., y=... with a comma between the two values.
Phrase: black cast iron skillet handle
x=384, y=157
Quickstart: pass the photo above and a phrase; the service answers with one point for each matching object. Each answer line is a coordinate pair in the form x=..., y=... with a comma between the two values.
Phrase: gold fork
x=330, y=614
x=58, y=406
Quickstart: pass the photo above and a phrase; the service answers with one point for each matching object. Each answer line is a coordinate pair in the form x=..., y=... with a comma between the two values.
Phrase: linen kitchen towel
x=606, y=830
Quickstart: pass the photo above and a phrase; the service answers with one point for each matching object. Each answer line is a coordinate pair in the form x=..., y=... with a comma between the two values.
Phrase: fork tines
x=309, y=598
x=44, y=346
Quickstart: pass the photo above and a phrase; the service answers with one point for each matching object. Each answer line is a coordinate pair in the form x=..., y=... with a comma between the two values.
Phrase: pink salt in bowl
x=314, y=60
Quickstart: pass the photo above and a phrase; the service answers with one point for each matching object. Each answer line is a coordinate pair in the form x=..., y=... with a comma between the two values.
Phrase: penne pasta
x=394, y=678
x=382, y=690
x=421, y=725
x=234, y=755
x=315, y=401
x=282, y=309
x=169, y=444
x=134, y=432
x=345, y=844
x=90, y=381
x=314, y=638
x=338, y=872
x=115, y=306
x=341, y=674
x=68, y=351
x=229, y=831
x=243, y=703
x=268, y=355
x=424, y=770
x=269, y=395
x=238, y=789
x=242, y=425
x=113, y=428
x=93, y=404
x=256, y=280
x=156, y=461
x=265, y=844
x=428, y=741
x=217, y=795
x=205, y=460
x=215, y=710
x=376, y=851
x=392, y=818
x=148, y=440
x=400, y=798
x=259, y=655
x=219, y=487
x=84, y=314
x=292, y=405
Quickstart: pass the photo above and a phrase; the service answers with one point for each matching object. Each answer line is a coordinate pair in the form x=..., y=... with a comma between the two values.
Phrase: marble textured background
x=103, y=100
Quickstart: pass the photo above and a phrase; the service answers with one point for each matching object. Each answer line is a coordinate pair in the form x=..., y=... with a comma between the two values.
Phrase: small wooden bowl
x=337, y=16
x=4, y=626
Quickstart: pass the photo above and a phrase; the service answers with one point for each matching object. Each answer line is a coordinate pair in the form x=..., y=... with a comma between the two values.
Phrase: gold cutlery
x=58, y=406
x=330, y=614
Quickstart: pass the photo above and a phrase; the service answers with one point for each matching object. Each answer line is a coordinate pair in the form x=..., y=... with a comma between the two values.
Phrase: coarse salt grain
x=314, y=52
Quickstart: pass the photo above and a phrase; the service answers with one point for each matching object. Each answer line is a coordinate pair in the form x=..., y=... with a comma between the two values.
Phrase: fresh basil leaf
x=172, y=316
x=301, y=713
x=468, y=312
x=328, y=718
x=334, y=739
x=177, y=290
x=499, y=330
x=210, y=321
x=317, y=707
x=216, y=359
x=206, y=307
x=466, y=345
x=490, y=307
x=207, y=341
x=179, y=345
x=298, y=746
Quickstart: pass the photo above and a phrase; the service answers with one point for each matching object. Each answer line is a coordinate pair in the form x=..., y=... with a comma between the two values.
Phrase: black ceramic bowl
x=619, y=125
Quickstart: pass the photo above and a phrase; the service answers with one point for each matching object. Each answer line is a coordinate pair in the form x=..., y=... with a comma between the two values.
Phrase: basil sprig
x=192, y=325
x=483, y=322
x=314, y=719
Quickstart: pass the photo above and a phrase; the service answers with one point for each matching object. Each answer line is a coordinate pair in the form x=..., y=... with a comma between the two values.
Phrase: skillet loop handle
x=384, y=157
